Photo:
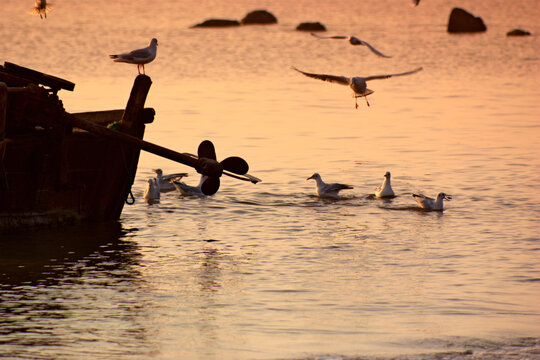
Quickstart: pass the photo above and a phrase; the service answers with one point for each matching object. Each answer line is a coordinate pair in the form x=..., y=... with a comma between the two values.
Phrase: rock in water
x=217, y=23
x=311, y=26
x=462, y=21
x=518, y=32
x=259, y=17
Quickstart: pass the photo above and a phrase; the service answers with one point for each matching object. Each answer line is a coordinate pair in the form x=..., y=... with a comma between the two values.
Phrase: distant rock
x=217, y=23
x=518, y=32
x=259, y=17
x=311, y=26
x=462, y=21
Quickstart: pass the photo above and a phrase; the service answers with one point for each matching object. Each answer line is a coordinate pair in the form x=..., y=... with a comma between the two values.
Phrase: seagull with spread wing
x=354, y=41
x=357, y=83
x=41, y=8
x=139, y=56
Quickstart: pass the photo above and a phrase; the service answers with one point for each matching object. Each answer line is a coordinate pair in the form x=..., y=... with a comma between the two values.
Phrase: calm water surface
x=269, y=271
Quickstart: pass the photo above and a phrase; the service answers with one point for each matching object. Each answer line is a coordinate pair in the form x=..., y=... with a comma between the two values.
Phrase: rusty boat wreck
x=61, y=168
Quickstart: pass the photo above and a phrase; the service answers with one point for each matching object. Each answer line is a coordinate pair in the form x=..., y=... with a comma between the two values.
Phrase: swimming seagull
x=353, y=41
x=328, y=190
x=139, y=56
x=164, y=181
x=41, y=8
x=385, y=190
x=151, y=193
x=357, y=83
x=428, y=203
x=187, y=190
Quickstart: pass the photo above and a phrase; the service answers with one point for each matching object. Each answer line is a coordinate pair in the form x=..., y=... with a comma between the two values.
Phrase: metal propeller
x=209, y=166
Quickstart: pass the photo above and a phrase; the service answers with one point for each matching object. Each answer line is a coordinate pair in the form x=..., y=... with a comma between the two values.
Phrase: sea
x=269, y=270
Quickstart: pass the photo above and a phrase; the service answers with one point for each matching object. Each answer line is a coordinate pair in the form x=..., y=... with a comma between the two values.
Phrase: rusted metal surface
x=51, y=174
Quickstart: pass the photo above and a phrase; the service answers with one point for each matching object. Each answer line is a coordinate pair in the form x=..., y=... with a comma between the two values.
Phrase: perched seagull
x=41, y=8
x=328, y=190
x=164, y=181
x=353, y=41
x=151, y=193
x=428, y=203
x=385, y=190
x=357, y=83
x=139, y=57
x=187, y=190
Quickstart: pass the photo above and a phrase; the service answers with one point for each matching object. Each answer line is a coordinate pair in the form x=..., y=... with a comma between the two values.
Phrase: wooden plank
x=55, y=83
x=107, y=117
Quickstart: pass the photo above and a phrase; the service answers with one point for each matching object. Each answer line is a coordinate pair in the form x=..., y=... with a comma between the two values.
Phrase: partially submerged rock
x=217, y=23
x=462, y=21
x=311, y=26
x=259, y=17
x=518, y=32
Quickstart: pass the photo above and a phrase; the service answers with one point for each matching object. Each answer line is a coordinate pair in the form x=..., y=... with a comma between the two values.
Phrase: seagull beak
x=448, y=197
x=309, y=178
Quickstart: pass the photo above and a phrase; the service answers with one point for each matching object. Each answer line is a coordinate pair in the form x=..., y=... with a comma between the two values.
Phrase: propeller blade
x=210, y=186
x=235, y=165
x=207, y=150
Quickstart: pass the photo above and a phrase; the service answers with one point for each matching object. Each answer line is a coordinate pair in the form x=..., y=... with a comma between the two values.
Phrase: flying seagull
x=41, y=8
x=139, y=56
x=357, y=83
x=353, y=41
x=385, y=190
x=428, y=203
x=328, y=190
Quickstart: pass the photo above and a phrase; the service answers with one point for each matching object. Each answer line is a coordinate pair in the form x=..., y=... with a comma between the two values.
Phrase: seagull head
x=387, y=175
x=158, y=171
x=443, y=196
x=153, y=42
x=314, y=176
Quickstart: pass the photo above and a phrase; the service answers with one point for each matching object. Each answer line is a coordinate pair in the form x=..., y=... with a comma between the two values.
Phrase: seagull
x=151, y=193
x=164, y=181
x=357, y=83
x=385, y=190
x=41, y=8
x=353, y=41
x=187, y=190
x=428, y=203
x=139, y=57
x=416, y=2
x=328, y=190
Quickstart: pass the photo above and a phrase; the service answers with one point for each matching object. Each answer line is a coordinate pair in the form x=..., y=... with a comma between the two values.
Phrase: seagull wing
x=336, y=187
x=329, y=37
x=343, y=80
x=375, y=77
x=176, y=176
x=375, y=51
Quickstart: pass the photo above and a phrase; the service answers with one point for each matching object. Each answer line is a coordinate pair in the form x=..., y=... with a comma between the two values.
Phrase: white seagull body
x=357, y=84
x=164, y=181
x=428, y=203
x=187, y=190
x=328, y=190
x=353, y=41
x=139, y=56
x=151, y=193
x=385, y=190
x=41, y=8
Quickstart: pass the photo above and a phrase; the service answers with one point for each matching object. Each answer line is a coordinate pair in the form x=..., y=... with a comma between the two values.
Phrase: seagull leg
x=367, y=102
x=356, y=102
